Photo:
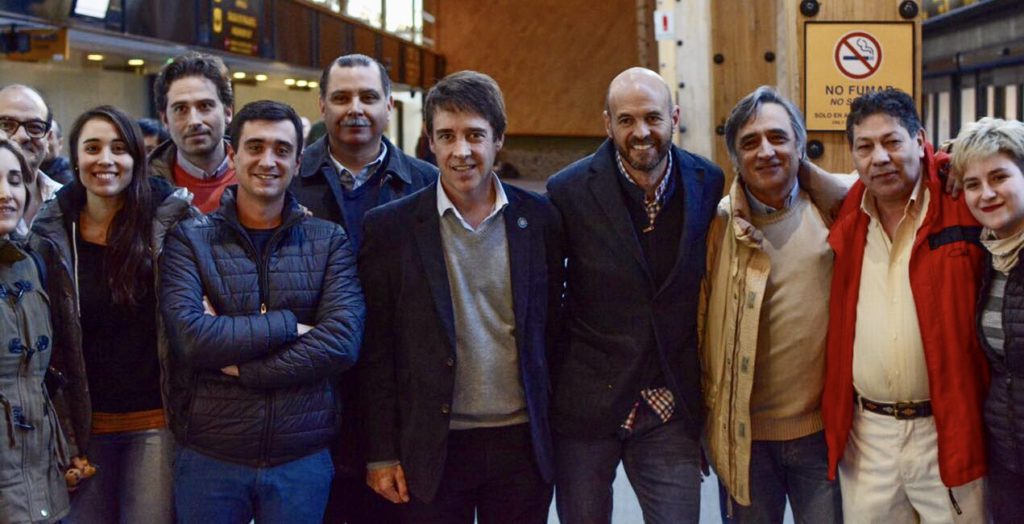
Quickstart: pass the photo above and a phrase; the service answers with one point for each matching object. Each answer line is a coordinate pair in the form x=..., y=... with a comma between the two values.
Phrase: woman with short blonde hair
x=988, y=158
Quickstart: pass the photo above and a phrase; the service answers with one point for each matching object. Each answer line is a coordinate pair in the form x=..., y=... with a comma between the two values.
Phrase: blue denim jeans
x=207, y=490
x=132, y=482
x=797, y=468
x=661, y=461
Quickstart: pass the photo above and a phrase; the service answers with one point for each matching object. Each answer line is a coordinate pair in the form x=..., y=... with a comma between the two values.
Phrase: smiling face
x=768, y=155
x=994, y=191
x=104, y=163
x=355, y=108
x=887, y=157
x=21, y=105
x=12, y=191
x=195, y=118
x=266, y=160
x=640, y=119
x=466, y=148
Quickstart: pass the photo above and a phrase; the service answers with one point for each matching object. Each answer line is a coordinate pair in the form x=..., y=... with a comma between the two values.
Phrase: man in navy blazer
x=351, y=169
x=463, y=283
x=635, y=214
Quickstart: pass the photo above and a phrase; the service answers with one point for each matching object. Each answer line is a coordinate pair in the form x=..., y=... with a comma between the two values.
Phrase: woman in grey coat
x=32, y=449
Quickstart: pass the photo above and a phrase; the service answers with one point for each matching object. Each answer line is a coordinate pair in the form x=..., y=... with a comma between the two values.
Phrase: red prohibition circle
x=845, y=41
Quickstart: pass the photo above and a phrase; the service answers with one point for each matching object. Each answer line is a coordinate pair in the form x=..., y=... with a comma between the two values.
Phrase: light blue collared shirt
x=760, y=208
x=365, y=173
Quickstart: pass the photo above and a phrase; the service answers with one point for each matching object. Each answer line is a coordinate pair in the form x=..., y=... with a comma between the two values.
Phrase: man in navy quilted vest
x=263, y=310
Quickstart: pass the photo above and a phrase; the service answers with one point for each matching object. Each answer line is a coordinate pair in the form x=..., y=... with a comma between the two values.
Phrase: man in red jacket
x=905, y=376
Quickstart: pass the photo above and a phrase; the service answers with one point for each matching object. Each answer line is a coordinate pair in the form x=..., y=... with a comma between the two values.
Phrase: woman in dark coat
x=101, y=237
x=988, y=157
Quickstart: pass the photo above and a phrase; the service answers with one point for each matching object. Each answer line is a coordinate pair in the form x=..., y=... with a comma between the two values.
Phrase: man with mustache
x=194, y=97
x=766, y=303
x=906, y=376
x=627, y=379
x=344, y=174
x=354, y=167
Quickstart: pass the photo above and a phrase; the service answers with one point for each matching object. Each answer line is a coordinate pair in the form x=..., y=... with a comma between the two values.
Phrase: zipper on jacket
x=263, y=271
x=956, y=506
x=262, y=260
x=265, y=441
x=23, y=396
x=74, y=265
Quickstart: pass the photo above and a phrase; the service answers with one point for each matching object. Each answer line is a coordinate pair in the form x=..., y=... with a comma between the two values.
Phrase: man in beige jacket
x=765, y=319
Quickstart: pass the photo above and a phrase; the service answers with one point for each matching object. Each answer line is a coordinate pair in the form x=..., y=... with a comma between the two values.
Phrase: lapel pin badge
x=522, y=223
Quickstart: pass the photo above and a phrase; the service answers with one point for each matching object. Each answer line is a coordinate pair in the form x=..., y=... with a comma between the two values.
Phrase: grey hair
x=747, y=108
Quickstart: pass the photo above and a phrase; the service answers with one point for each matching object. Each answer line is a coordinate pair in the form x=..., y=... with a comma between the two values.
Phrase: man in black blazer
x=636, y=214
x=351, y=169
x=463, y=282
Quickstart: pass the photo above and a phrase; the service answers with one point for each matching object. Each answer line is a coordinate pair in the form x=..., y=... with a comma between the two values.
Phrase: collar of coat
x=826, y=190
x=317, y=155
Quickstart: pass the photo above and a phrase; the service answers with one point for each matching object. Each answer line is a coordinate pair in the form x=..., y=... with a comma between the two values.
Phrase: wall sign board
x=45, y=45
x=235, y=26
x=845, y=60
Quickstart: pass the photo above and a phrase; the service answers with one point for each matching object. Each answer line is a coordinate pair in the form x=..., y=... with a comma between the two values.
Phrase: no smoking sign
x=858, y=55
x=844, y=60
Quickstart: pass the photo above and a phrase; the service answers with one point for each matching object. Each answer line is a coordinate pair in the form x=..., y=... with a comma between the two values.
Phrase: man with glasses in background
x=26, y=119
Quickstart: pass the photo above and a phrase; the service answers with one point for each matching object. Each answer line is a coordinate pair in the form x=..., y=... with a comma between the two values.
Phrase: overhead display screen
x=91, y=8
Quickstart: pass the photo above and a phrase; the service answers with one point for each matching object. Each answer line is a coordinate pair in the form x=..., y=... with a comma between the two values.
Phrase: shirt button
x=450, y=362
x=43, y=513
x=445, y=409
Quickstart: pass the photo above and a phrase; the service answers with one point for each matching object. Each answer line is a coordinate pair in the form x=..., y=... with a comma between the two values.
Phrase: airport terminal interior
x=960, y=60
x=553, y=59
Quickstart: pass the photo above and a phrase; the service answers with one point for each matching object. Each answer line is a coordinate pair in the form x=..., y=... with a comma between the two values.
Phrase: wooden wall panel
x=365, y=41
x=293, y=47
x=391, y=56
x=553, y=60
x=334, y=40
x=744, y=32
x=837, y=157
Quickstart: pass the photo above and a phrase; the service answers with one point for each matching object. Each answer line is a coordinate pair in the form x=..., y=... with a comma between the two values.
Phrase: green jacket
x=33, y=453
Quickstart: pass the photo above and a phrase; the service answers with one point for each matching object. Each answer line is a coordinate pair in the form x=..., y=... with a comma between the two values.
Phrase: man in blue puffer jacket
x=263, y=309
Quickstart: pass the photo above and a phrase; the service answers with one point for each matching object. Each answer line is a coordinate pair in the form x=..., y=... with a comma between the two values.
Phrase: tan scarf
x=1005, y=251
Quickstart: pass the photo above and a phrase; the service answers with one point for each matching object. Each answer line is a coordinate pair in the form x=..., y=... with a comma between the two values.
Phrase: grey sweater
x=488, y=389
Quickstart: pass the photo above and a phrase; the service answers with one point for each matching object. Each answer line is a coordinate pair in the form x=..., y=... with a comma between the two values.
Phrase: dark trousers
x=797, y=469
x=661, y=460
x=489, y=474
x=351, y=501
x=1005, y=489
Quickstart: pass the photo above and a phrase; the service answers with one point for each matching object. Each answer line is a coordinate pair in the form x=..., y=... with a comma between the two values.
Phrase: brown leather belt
x=899, y=410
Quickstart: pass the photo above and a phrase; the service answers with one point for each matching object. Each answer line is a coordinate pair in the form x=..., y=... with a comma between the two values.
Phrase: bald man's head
x=632, y=78
x=23, y=113
x=641, y=118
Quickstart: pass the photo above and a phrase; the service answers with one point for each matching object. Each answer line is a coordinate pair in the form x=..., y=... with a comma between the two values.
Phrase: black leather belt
x=899, y=410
